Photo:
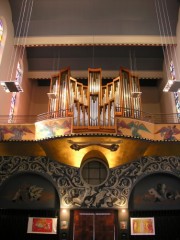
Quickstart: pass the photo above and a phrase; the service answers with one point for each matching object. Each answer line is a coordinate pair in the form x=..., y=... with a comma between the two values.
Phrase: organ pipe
x=95, y=105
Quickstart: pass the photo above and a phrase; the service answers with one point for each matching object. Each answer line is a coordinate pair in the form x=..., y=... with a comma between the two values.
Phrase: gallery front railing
x=159, y=118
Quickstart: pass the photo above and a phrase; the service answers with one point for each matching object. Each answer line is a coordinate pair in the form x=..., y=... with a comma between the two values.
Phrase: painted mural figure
x=18, y=132
x=169, y=132
x=135, y=127
x=3, y=130
x=54, y=128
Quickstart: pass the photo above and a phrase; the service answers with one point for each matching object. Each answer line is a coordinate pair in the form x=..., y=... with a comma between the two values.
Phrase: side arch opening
x=24, y=196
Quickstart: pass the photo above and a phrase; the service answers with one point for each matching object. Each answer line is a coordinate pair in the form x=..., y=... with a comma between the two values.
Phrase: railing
x=51, y=115
x=171, y=118
x=18, y=119
x=161, y=118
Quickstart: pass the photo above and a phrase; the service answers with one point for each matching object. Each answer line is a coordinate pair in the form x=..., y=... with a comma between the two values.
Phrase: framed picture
x=42, y=225
x=123, y=225
x=64, y=224
x=142, y=226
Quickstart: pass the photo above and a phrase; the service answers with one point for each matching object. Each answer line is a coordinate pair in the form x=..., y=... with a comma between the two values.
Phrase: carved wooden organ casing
x=94, y=105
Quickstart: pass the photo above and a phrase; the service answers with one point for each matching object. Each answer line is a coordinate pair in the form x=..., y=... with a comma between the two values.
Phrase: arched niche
x=28, y=191
x=158, y=191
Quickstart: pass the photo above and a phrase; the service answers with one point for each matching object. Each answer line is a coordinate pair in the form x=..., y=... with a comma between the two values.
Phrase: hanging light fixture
x=11, y=86
x=22, y=28
x=172, y=85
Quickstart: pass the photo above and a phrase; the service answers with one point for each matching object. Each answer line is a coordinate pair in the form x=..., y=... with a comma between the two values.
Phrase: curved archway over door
x=27, y=195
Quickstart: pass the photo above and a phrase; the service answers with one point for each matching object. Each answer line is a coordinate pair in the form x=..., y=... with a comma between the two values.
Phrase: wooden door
x=92, y=225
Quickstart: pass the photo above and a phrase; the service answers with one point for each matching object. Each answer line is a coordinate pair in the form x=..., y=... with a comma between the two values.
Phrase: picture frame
x=64, y=225
x=123, y=225
x=142, y=226
x=42, y=225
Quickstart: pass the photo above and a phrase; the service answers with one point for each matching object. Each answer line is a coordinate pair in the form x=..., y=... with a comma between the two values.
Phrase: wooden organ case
x=94, y=106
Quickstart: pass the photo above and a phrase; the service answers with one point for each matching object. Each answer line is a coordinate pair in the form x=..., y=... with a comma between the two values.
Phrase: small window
x=94, y=172
x=19, y=73
x=1, y=31
x=176, y=94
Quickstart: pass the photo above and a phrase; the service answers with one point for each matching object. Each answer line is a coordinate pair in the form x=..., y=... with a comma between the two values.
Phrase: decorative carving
x=28, y=192
x=79, y=145
x=113, y=193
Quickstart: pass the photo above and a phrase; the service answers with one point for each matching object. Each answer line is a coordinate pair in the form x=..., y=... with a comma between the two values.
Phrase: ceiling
x=95, y=34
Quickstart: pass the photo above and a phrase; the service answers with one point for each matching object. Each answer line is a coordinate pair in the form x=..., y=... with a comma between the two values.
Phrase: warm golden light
x=64, y=210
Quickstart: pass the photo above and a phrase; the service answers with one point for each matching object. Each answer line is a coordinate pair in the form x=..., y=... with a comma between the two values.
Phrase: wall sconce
x=64, y=210
x=65, y=218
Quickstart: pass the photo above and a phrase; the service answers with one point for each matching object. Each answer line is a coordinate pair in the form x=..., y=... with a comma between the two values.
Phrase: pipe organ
x=94, y=105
